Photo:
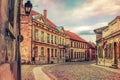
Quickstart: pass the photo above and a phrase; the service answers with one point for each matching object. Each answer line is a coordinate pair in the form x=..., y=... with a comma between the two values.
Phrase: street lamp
x=28, y=7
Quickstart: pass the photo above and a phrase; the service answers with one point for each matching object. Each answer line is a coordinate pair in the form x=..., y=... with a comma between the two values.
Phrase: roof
x=33, y=12
x=112, y=22
x=74, y=36
x=99, y=30
x=36, y=16
x=50, y=23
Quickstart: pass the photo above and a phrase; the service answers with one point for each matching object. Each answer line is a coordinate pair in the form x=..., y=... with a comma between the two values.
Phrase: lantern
x=28, y=7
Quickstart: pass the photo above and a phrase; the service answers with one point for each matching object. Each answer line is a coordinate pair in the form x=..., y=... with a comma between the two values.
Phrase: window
x=62, y=41
x=11, y=11
x=55, y=52
x=79, y=45
x=51, y=52
x=36, y=34
x=52, y=39
x=48, y=38
x=63, y=51
x=42, y=51
x=75, y=55
x=36, y=51
x=55, y=40
x=71, y=44
x=83, y=45
x=42, y=36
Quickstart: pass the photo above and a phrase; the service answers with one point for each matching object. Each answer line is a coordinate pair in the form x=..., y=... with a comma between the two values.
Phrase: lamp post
x=28, y=7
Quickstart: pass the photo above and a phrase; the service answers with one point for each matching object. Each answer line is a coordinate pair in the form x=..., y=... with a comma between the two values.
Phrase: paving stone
x=27, y=73
x=81, y=71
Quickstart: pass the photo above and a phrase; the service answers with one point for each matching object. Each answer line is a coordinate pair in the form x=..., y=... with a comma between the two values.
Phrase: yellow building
x=43, y=42
x=110, y=55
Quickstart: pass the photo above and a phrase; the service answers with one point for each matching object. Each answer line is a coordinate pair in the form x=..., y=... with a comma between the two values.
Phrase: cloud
x=98, y=7
x=85, y=28
x=72, y=18
x=87, y=32
x=60, y=15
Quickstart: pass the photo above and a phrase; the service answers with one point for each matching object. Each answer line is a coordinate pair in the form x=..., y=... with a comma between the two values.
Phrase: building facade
x=48, y=41
x=8, y=40
x=109, y=52
x=44, y=42
x=78, y=48
x=92, y=51
x=26, y=31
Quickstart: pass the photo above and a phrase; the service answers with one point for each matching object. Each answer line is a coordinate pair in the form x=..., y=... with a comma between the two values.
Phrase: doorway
x=48, y=55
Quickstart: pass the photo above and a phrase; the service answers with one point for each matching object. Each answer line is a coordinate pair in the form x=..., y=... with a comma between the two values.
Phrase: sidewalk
x=39, y=74
x=107, y=68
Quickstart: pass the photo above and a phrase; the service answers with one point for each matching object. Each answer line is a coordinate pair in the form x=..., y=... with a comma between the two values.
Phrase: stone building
x=26, y=31
x=48, y=40
x=8, y=40
x=78, y=48
x=43, y=42
x=109, y=53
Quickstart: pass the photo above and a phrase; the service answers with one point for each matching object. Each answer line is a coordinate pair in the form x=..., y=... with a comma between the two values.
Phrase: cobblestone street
x=80, y=71
x=27, y=73
x=69, y=71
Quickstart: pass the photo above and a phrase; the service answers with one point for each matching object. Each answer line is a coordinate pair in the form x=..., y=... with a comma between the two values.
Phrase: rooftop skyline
x=79, y=16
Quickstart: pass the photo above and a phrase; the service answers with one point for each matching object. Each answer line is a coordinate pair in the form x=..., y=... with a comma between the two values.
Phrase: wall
x=8, y=35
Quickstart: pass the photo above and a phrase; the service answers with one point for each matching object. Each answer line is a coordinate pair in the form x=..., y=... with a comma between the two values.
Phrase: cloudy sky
x=79, y=16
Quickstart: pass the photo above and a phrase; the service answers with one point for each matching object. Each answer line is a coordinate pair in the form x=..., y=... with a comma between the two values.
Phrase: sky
x=79, y=16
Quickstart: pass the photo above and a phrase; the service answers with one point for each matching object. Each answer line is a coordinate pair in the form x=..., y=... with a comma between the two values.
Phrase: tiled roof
x=33, y=12
x=74, y=36
x=50, y=23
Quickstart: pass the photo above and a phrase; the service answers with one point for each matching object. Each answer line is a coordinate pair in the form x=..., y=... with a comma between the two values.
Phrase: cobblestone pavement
x=80, y=71
x=27, y=73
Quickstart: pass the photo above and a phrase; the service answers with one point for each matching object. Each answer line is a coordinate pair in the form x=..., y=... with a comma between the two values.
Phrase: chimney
x=45, y=13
